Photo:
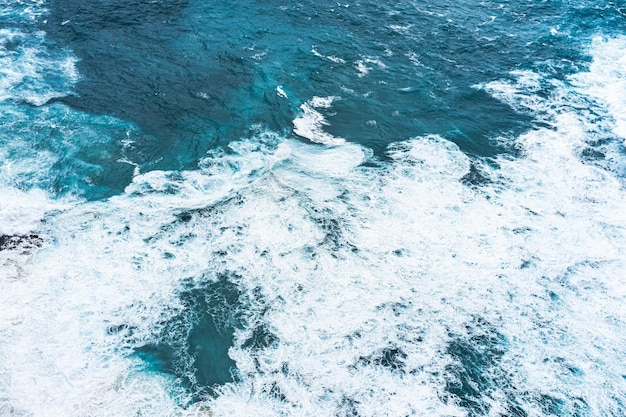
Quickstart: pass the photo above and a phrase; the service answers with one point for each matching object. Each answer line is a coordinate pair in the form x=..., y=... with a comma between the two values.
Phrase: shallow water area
x=331, y=209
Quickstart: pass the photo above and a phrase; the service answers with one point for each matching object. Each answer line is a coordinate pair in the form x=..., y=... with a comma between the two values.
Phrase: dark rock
x=24, y=242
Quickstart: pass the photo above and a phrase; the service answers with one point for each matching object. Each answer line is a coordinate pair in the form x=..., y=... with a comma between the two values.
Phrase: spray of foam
x=363, y=68
x=401, y=290
x=310, y=124
x=331, y=58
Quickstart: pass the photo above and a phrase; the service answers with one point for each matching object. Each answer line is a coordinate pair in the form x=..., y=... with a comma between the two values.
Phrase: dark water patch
x=184, y=217
x=131, y=68
x=334, y=228
x=95, y=178
x=193, y=345
x=274, y=391
x=383, y=117
x=555, y=406
x=126, y=331
x=261, y=338
x=180, y=231
x=349, y=407
x=592, y=154
x=605, y=153
x=564, y=366
x=392, y=358
x=585, y=16
x=470, y=379
x=195, y=75
x=396, y=307
x=418, y=81
x=476, y=372
x=475, y=178
x=554, y=297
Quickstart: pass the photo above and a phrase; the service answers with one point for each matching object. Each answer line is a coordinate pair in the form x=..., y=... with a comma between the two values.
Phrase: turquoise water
x=313, y=208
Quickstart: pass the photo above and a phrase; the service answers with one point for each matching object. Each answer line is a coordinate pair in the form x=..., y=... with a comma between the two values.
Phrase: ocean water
x=275, y=208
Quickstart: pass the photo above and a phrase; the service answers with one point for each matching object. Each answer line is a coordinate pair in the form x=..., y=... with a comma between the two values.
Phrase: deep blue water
x=312, y=208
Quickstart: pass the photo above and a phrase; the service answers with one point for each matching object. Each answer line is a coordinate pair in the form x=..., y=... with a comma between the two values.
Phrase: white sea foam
x=363, y=65
x=31, y=72
x=331, y=58
x=310, y=124
x=372, y=280
x=606, y=80
x=22, y=212
x=281, y=92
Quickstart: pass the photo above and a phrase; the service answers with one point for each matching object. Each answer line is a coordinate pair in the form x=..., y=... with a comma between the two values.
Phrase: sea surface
x=312, y=208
